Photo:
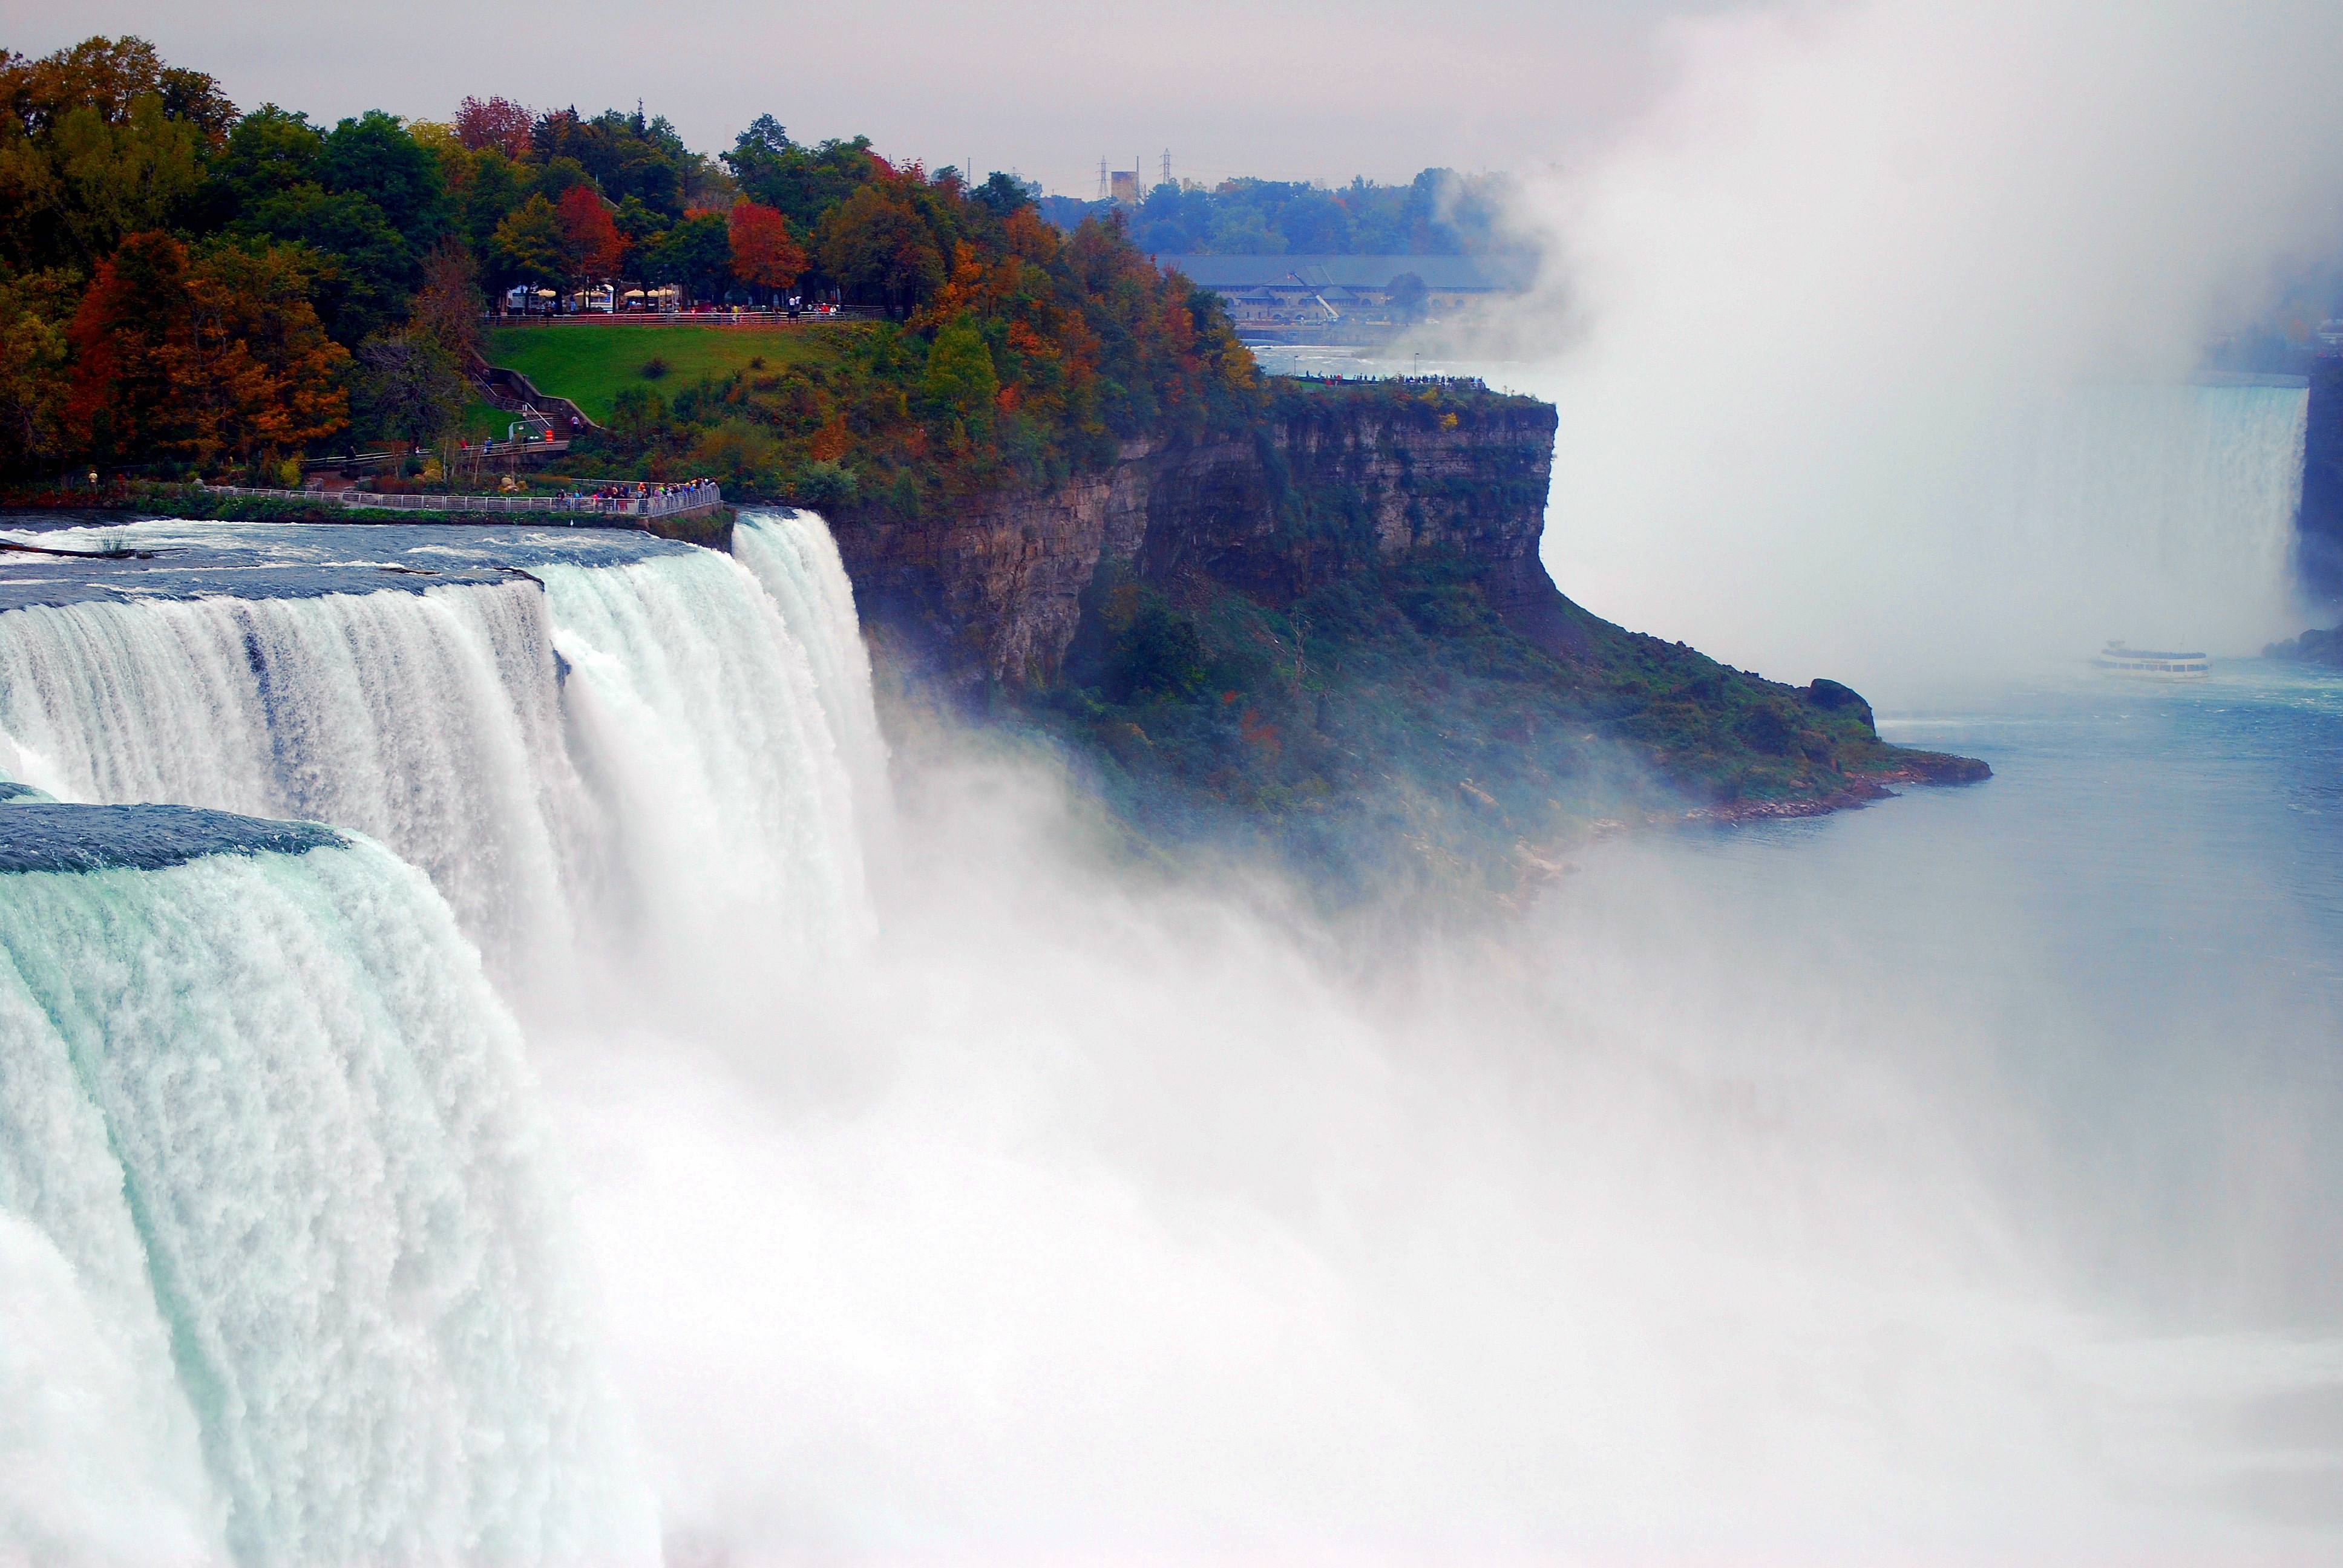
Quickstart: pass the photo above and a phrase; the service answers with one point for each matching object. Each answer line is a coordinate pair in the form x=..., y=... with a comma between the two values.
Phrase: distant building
x=1123, y=187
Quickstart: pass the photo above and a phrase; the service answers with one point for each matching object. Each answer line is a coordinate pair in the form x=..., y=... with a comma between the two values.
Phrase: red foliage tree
x=590, y=242
x=764, y=253
x=218, y=354
x=497, y=122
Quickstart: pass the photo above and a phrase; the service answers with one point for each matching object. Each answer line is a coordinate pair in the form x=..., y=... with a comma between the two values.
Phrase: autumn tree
x=764, y=254
x=591, y=246
x=447, y=307
x=108, y=77
x=212, y=357
x=496, y=122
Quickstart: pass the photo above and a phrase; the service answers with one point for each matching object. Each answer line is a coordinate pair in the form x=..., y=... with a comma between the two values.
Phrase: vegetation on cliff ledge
x=1392, y=721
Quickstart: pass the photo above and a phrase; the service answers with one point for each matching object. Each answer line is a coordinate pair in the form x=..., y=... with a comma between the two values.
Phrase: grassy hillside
x=590, y=365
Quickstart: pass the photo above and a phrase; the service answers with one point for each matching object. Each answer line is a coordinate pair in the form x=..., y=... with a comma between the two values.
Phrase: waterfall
x=427, y=721
x=639, y=746
x=283, y=1276
x=2168, y=511
x=794, y=557
x=699, y=717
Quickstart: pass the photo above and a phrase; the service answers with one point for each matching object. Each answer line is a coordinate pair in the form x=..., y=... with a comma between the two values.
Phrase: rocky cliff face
x=1333, y=639
x=1337, y=478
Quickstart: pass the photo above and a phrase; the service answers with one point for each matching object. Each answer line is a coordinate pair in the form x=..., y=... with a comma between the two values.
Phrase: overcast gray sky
x=1280, y=89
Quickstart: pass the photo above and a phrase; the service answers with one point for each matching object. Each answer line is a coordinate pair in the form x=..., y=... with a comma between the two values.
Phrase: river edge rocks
x=2313, y=647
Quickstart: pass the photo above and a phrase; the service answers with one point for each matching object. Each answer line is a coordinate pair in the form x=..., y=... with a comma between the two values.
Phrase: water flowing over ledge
x=288, y=1279
x=39, y=835
x=591, y=742
x=287, y=1272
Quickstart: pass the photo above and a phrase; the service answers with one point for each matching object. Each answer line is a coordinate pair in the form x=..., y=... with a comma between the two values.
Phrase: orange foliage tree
x=210, y=357
x=764, y=253
x=591, y=245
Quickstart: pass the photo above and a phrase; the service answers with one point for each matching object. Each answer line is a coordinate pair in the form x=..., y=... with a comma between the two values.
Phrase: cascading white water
x=794, y=557
x=691, y=785
x=283, y=1276
x=699, y=717
x=429, y=721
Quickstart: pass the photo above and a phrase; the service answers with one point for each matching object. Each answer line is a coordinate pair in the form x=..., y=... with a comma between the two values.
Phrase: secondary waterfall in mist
x=2171, y=508
x=282, y=1273
x=661, y=750
x=1909, y=537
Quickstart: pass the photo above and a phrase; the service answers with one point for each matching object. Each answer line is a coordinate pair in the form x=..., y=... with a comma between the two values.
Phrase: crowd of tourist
x=640, y=496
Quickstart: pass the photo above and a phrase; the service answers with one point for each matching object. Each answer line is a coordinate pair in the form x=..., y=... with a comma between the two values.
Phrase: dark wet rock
x=2313, y=647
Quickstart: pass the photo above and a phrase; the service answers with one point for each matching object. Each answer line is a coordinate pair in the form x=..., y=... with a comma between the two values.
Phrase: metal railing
x=742, y=317
x=680, y=501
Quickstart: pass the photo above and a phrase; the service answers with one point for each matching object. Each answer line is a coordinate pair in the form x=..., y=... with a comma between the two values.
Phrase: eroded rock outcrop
x=1339, y=476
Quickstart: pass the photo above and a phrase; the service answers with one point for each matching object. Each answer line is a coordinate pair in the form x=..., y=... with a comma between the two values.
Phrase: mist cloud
x=1822, y=303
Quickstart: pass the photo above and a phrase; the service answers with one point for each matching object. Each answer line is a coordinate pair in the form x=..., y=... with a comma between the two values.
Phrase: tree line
x=183, y=283
x=1441, y=212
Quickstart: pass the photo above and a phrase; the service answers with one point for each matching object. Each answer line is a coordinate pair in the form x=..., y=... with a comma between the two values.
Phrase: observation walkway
x=670, y=501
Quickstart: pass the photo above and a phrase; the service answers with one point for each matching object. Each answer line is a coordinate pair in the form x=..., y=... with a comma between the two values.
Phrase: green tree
x=270, y=151
x=75, y=176
x=33, y=310
x=368, y=267
x=876, y=248
x=1407, y=296
x=373, y=157
x=409, y=387
x=528, y=245
x=483, y=192
x=695, y=254
x=960, y=381
x=640, y=227
x=800, y=182
x=1003, y=194
x=367, y=196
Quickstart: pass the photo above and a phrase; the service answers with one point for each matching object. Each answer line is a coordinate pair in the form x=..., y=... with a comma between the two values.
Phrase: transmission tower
x=1167, y=167
x=1103, y=185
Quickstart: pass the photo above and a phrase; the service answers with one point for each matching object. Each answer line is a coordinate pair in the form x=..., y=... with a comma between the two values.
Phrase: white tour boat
x=2152, y=663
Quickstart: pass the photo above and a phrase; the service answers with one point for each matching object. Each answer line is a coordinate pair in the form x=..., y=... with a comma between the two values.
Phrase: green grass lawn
x=589, y=364
x=485, y=421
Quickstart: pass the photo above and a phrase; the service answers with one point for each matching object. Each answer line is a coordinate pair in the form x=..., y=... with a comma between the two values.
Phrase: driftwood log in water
x=78, y=554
